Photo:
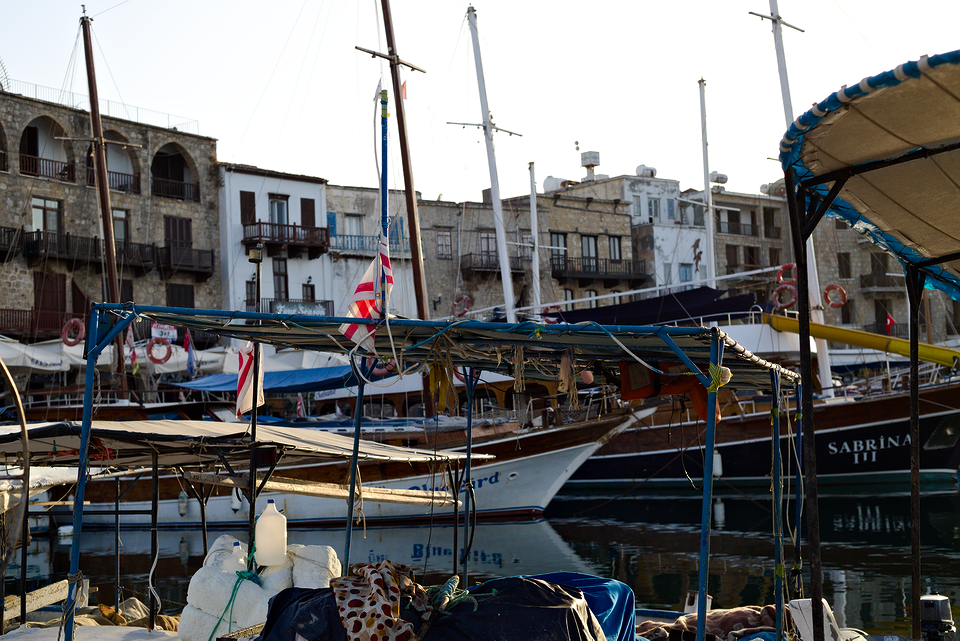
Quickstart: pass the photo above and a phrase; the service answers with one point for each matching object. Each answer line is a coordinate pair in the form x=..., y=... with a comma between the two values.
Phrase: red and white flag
x=890, y=322
x=301, y=411
x=371, y=299
x=245, y=380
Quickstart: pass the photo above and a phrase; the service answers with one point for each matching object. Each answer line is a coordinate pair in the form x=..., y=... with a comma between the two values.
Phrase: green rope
x=248, y=575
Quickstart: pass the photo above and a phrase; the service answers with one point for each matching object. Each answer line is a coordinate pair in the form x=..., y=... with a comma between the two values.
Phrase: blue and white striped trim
x=792, y=143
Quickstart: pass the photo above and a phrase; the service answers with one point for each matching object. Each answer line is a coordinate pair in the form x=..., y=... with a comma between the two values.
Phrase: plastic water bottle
x=237, y=561
x=271, y=536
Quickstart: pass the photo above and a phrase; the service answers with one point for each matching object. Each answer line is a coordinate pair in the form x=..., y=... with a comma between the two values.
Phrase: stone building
x=163, y=189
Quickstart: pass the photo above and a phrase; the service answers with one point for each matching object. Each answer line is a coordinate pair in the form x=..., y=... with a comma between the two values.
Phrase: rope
x=518, y=381
x=719, y=376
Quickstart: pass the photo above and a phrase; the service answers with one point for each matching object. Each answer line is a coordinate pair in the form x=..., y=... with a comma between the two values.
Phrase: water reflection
x=651, y=544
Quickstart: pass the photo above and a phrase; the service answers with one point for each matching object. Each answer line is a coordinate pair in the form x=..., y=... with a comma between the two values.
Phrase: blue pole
x=470, y=383
x=122, y=323
x=357, y=417
x=798, y=500
x=777, y=501
x=706, y=508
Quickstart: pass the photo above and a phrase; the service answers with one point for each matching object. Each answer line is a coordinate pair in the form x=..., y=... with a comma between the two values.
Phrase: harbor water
x=651, y=544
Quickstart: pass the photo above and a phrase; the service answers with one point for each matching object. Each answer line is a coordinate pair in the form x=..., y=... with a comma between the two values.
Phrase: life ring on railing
x=159, y=360
x=380, y=370
x=74, y=325
x=463, y=301
x=834, y=303
x=787, y=267
x=779, y=304
x=460, y=377
x=547, y=310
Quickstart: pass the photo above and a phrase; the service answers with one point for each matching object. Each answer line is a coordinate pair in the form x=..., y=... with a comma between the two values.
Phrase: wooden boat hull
x=863, y=441
x=529, y=469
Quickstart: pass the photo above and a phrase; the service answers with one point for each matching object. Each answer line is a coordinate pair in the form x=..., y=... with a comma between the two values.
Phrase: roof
x=893, y=142
x=270, y=173
x=494, y=347
x=189, y=443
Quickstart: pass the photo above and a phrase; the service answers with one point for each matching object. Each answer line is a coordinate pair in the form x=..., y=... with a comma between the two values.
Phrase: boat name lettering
x=868, y=445
x=478, y=483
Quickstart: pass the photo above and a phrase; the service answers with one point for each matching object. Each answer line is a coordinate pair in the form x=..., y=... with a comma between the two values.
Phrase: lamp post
x=255, y=256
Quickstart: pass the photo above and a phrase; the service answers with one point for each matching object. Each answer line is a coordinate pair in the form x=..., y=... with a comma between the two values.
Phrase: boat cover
x=702, y=302
x=895, y=138
x=489, y=347
x=189, y=443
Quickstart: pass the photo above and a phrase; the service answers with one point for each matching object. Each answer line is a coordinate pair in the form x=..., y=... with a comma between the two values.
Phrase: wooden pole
x=103, y=189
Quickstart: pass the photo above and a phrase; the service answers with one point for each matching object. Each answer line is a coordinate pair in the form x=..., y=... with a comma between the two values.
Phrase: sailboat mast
x=413, y=218
x=103, y=189
x=709, y=219
x=505, y=274
x=534, y=232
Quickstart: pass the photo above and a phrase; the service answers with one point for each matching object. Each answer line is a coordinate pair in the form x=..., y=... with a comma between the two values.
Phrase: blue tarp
x=301, y=380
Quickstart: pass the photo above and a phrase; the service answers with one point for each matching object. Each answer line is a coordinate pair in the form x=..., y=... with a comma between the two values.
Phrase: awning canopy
x=484, y=346
x=699, y=303
x=893, y=142
x=189, y=443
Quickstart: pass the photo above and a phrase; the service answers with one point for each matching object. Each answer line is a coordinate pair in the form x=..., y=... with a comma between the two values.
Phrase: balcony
x=367, y=245
x=139, y=257
x=47, y=168
x=34, y=323
x=293, y=306
x=295, y=239
x=76, y=251
x=10, y=243
x=116, y=180
x=882, y=283
x=177, y=189
x=488, y=263
x=769, y=231
x=174, y=258
x=736, y=229
x=588, y=269
x=897, y=330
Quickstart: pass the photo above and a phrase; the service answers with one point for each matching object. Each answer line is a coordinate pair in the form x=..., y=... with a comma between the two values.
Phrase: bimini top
x=189, y=444
x=893, y=142
x=523, y=350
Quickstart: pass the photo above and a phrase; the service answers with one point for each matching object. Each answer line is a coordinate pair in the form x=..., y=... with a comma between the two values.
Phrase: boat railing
x=553, y=409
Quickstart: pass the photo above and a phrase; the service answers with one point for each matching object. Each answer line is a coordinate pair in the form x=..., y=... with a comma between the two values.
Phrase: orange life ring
x=159, y=360
x=380, y=370
x=779, y=290
x=465, y=301
x=456, y=372
x=787, y=267
x=71, y=326
x=546, y=310
x=834, y=303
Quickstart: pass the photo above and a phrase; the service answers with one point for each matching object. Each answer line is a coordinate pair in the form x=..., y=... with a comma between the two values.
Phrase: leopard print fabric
x=370, y=597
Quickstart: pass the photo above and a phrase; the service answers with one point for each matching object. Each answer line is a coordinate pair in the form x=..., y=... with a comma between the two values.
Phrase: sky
x=281, y=86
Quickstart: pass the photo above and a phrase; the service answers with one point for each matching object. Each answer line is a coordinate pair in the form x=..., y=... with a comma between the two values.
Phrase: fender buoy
x=779, y=304
x=835, y=303
x=73, y=332
x=792, y=267
x=552, y=309
x=159, y=360
x=461, y=305
x=380, y=370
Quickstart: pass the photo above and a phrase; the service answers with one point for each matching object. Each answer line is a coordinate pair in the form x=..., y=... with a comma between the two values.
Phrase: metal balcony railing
x=174, y=258
x=34, y=322
x=367, y=244
x=488, y=262
x=47, y=168
x=737, y=229
x=294, y=238
x=178, y=189
x=882, y=281
x=11, y=242
x=40, y=245
x=565, y=266
x=116, y=180
x=770, y=231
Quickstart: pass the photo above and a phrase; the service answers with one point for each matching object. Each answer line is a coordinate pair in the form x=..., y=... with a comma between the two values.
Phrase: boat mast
x=103, y=189
x=535, y=232
x=505, y=274
x=707, y=194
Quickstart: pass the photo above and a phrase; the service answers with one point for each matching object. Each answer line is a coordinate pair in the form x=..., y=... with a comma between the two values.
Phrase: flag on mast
x=371, y=299
x=890, y=323
x=133, y=350
x=245, y=380
x=301, y=411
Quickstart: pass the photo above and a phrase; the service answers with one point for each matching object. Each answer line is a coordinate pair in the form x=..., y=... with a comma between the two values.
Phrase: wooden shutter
x=308, y=212
x=178, y=231
x=248, y=207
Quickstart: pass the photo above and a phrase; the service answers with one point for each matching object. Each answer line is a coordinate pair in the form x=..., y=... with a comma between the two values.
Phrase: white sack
x=314, y=566
x=210, y=590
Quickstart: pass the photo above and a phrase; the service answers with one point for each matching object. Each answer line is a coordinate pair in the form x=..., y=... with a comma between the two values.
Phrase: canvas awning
x=891, y=145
